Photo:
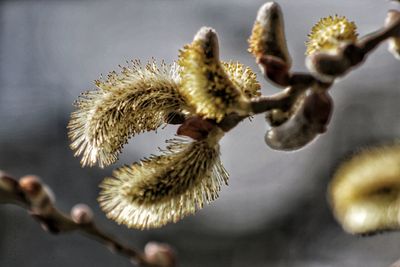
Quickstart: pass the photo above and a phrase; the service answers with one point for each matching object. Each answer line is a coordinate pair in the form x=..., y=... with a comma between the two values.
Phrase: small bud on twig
x=82, y=214
x=160, y=254
x=40, y=196
x=7, y=183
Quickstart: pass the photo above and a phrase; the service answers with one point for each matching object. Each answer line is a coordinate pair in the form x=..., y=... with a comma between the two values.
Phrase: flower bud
x=40, y=196
x=82, y=214
x=7, y=183
x=160, y=254
x=309, y=120
x=394, y=42
x=268, y=34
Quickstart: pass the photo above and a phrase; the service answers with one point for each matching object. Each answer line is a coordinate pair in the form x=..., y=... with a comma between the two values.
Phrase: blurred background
x=274, y=211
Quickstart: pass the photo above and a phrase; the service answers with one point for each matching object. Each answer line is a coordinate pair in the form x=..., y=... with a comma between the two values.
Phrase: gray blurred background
x=273, y=213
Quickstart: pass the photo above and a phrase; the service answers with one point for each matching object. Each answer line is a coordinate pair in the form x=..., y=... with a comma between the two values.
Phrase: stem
x=31, y=196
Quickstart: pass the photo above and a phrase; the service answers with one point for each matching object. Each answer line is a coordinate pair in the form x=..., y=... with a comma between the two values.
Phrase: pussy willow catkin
x=165, y=188
x=329, y=33
x=205, y=84
x=133, y=101
x=365, y=191
x=137, y=100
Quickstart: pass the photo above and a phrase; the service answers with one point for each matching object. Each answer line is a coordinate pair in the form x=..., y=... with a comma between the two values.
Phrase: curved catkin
x=165, y=188
x=133, y=101
x=365, y=191
x=205, y=84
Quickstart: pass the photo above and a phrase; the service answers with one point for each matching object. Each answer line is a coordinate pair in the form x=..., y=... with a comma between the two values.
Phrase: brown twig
x=34, y=196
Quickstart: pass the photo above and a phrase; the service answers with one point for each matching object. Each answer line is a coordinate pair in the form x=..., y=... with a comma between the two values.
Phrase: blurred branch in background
x=34, y=196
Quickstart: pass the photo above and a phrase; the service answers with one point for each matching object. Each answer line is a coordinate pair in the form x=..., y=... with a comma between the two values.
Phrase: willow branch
x=34, y=196
x=324, y=69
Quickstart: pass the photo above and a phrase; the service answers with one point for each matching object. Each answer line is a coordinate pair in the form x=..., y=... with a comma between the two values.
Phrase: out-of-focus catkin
x=365, y=191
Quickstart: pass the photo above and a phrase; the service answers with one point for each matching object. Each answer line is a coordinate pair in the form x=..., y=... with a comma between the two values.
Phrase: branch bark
x=35, y=197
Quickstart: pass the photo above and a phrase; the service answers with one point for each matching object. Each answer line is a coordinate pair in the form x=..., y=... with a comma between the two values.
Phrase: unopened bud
x=7, y=183
x=31, y=185
x=160, y=254
x=309, y=120
x=82, y=214
x=39, y=195
x=196, y=128
x=268, y=34
x=394, y=42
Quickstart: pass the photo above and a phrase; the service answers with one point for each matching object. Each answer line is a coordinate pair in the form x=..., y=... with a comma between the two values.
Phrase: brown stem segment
x=31, y=194
x=299, y=83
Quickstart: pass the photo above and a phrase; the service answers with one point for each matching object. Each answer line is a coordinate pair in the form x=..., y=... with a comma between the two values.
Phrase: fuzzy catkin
x=365, y=191
x=329, y=33
x=136, y=100
x=165, y=188
x=205, y=84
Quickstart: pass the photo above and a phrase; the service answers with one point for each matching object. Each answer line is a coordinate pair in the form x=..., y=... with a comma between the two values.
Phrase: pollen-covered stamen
x=205, y=84
x=243, y=78
x=329, y=33
x=165, y=188
x=268, y=34
x=136, y=100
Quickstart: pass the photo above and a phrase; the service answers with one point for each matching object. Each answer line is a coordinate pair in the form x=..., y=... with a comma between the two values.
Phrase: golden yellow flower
x=133, y=101
x=329, y=33
x=205, y=84
x=165, y=188
x=365, y=191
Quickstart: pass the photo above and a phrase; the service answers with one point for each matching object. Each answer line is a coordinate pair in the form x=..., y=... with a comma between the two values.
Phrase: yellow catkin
x=128, y=103
x=134, y=101
x=243, y=78
x=256, y=47
x=365, y=191
x=329, y=33
x=205, y=84
x=165, y=188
